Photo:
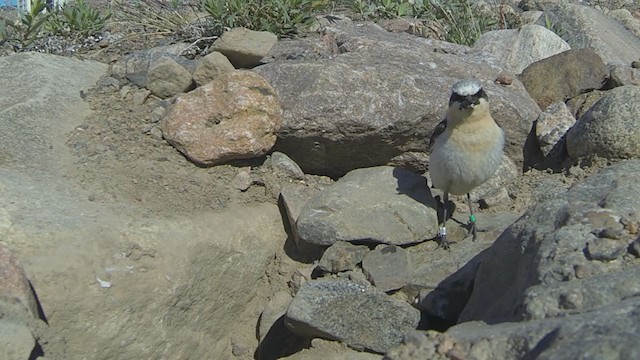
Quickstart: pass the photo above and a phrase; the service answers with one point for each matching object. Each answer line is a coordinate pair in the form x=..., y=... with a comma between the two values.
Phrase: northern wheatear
x=466, y=148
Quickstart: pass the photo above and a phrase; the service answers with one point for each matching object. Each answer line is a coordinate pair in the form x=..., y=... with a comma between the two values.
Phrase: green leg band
x=472, y=218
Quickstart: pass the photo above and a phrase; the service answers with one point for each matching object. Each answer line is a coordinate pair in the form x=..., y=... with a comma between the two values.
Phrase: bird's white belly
x=458, y=167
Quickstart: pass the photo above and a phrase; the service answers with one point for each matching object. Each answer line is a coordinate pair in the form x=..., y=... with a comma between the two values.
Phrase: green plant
x=464, y=23
x=282, y=17
x=77, y=18
x=24, y=30
x=550, y=25
x=389, y=9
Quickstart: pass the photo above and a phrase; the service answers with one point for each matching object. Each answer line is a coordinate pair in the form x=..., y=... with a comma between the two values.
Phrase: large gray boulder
x=359, y=315
x=181, y=276
x=519, y=48
x=563, y=76
x=610, y=128
x=558, y=243
x=583, y=26
x=609, y=333
x=382, y=96
x=378, y=205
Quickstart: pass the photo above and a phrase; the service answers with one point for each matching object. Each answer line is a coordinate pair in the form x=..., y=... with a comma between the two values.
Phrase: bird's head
x=467, y=98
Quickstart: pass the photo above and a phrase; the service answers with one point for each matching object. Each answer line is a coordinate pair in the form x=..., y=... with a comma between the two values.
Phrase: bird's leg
x=442, y=230
x=472, y=220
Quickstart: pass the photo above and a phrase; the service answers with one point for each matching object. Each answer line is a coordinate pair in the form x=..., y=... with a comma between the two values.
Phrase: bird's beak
x=470, y=102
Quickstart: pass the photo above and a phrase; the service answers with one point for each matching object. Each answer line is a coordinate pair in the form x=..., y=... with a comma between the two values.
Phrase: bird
x=466, y=149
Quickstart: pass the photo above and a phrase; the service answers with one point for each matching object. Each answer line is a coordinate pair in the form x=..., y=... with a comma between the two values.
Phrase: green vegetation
x=24, y=30
x=77, y=18
x=199, y=21
x=282, y=17
x=462, y=22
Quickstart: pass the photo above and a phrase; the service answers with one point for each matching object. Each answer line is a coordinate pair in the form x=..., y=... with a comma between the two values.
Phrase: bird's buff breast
x=465, y=158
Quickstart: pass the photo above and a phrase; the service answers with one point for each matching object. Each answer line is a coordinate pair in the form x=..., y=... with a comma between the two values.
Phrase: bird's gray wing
x=439, y=129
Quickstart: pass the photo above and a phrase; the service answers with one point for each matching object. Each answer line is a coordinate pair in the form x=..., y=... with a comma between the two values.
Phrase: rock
x=624, y=17
x=168, y=78
x=580, y=104
x=606, y=249
x=283, y=164
x=293, y=197
x=141, y=96
x=546, y=247
x=621, y=75
x=551, y=128
x=342, y=256
x=563, y=76
x=210, y=67
x=497, y=197
x=243, y=47
x=388, y=267
x=134, y=67
x=342, y=113
x=531, y=16
x=609, y=129
x=583, y=26
x=16, y=341
x=14, y=285
x=502, y=177
x=298, y=49
x=360, y=316
x=519, y=48
x=331, y=350
x=242, y=181
x=275, y=309
x=233, y=117
x=604, y=334
x=379, y=205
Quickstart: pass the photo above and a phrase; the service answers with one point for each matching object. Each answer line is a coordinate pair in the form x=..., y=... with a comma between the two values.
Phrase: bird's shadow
x=418, y=189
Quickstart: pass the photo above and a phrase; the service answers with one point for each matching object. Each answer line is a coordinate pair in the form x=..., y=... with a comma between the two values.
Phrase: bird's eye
x=456, y=98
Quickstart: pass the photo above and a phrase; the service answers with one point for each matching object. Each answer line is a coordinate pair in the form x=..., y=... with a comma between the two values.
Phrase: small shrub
x=281, y=17
x=77, y=18
x=24, y=30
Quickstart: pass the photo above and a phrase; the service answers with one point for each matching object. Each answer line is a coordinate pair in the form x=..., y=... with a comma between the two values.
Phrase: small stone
x=210, y=67
x=495, y=197
x=155, y=133
x=342, y=256
x=634, y=248
x=603, y=249
x=125, y=91
x=141, y=96
x=243, y=47
x=635, y=64
x=387, y=267
x=504, y=79
x=242, y=180
x=551, y=127
x=14, y=284
x=275, y=309
x=284, y=165
x=157, y=114
x=168, y=78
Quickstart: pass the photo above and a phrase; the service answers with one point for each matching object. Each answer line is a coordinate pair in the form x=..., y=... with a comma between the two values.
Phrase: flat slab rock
x=360, y=316
x=380, y=205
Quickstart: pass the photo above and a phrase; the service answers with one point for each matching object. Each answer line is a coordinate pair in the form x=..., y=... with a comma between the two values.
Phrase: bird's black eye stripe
x=456, y=98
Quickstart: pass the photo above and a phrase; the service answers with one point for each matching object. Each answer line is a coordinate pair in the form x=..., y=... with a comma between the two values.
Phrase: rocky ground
x=163, y=206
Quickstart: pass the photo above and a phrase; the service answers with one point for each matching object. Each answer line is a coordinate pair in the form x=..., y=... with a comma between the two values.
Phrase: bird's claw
x=473, y=228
